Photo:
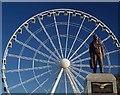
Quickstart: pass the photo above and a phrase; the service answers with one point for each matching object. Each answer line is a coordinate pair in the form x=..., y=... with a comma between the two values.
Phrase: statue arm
x=102, y=50
x=90, y=51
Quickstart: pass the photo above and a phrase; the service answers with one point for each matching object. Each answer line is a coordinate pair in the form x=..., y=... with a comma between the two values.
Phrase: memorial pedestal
x=101, y=84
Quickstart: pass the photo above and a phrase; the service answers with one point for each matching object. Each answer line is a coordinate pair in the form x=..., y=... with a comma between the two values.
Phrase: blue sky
x=17, y=13
x=14, y=14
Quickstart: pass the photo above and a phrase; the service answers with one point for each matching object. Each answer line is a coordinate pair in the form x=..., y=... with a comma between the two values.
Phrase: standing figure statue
x=96, y=51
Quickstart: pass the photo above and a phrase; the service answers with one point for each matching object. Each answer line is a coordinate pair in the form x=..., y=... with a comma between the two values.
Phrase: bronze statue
x=96, y=51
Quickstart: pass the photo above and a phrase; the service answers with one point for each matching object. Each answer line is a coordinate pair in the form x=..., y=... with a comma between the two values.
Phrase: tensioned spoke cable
x=109, y=63
x=26, y=69
x=85, y=41
x=65, y=83
x=108, y=58
x=27, y=81
x=72, y=82
x=58, y=35
x=114, y=51
x=77, y=81
x=39, y=86
x=88, y=58
x=42, y=43
x=114, y=66
x=76, y=37
x=81, y=65
x=49, y=37
x=87, y=29
x=43, y=83
x=73, y=73
x=50, y=87
x=81, y=70
x=56, y=82
x=106, y=39
x=77, y=74
x=86, y=51
x=29, y=58
x=56, y=71
x=81, y=60
x=33, y=49
x=88, y=66
x=53, y=82
x=68, y=25
x=19, y=74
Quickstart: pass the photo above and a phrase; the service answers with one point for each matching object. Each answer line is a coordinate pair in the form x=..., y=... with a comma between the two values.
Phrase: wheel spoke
x=76, y=37
x=84, y=41
x=109, y=63
x=72, y=82
x=106, y=39
x=81, y=65
x=56, y=83
x=74, y=90
x=33, y=49
x=113, y=66
x=68, y=24
x=50, y=87
x=88, y=66
x=56, y=71
x=81, y=70
x=86, y=51
x=78, y=82
x=27, y=69
x=111, y=52
x=58, y=35
x=40, y=86
x=43, y=82
x=42, y=43
x=29, y=58
x=77, y=74
x=57, y=56
x=81, y=60
x=29, y=80
x=88, y=58
x=49, y=37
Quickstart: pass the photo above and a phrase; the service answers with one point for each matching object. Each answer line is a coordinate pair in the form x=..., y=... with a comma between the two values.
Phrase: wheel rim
x=54, y=47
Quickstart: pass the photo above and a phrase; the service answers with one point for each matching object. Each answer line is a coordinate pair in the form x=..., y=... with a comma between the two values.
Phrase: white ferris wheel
x=49, y=53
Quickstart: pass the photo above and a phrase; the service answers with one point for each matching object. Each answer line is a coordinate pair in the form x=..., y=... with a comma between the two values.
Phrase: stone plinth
x=101, y=83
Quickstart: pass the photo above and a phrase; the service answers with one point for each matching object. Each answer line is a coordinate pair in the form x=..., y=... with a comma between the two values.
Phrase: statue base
x=101, y=83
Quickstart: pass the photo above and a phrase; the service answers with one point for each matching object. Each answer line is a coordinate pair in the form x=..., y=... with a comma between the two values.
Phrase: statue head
x=95, y=37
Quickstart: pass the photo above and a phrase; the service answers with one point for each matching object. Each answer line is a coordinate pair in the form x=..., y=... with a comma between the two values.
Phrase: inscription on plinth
x=101, y=83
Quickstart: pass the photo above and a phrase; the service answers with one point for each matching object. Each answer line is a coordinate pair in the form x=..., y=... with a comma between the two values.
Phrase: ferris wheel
x=49, y=53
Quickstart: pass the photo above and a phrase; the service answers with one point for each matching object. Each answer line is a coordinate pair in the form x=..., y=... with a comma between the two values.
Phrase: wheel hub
x=64, y=63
